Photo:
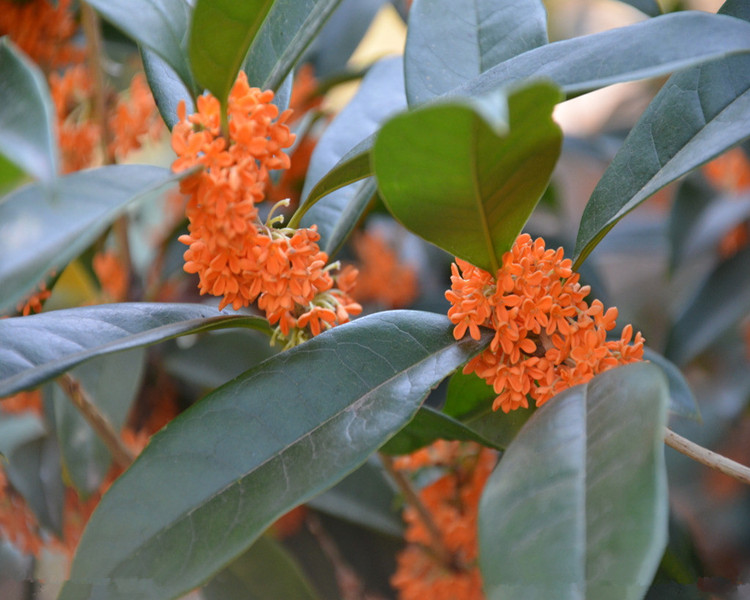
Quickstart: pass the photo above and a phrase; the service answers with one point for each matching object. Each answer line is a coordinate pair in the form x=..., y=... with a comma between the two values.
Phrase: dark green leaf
x=159, y=25
x=112, y=382
x=577, y=507
x=364, y=498
x=464, y=183
x=427, y=426
x=450, y=42
x=722, y=300
x=697, y=115
x=691, y=200
x=380, y=95
x=211, y=481
x=221, y=32
x=39, y=234
x=647, y=7
x=265, y=572
x=27, y=115
x=681, y=399
x=167, y=87
x=290, y=27
x=39, y=347
x=651, y=48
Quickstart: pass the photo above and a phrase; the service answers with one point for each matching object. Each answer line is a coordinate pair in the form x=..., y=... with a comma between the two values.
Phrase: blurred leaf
x=167, y=87
x=365, y=497
x=112, y=382
x=427, y=426
x=682, y=402
x=210, y=482
x=27, y=115
x=647, y=7
x=693, y=196
x=722, y=300
x=380, y=95
x=10, y=175
x=651, y=48
x=221, y=32
x=159, y=25
x=39, y=235
x=465, y=183
x=697, y=115
x=577, y=506
x=39, y=347
x=450, y=42
x=331, y=49
x=289, y=29
x=265, y=572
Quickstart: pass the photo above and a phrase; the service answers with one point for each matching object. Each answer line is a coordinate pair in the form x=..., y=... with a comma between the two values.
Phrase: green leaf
x=221, y=32
x=380, y=95
x=27, y=115
x=427, y=426
x=265, y=572
x=647, y=7
x=290, y=27
x=159, y=25
x=112, y=382
x=577, y=507
x=365, y=497
x=450, y=42
x=39, y=234
x=166, y=86
x=461, y=181
x=651, y=48
x=721, y=301
x=211, y=481
x=697, y=115
x=682, y=402
x=39, y=347
x=690, y=202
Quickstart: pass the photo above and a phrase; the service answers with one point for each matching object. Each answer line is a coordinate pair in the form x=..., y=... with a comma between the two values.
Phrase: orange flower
x=34, y=302
x=22, y=402
x=134, y=118
x=111, y=274
x=547, y=337
x=729, y=172
x=18, y=524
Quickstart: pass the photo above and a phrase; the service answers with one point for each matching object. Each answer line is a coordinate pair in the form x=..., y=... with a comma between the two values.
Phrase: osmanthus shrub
x=288, y=434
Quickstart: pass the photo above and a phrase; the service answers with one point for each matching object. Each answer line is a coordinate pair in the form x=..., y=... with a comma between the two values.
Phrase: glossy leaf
x=577, y=507
x=697, y=115
x=651, y=48
x=112, y=382
x=482, y=34
x=289, y=29
x=265, y=572
x=465, y=183
x=366, y=498
x=39, y=234
x=255, y=448
x=427, y=426
x=380, y=95
x=221, y=32
x=167, y=87
x=39, y=347
x=159, y=25
x=27, y=115
x=722, y=300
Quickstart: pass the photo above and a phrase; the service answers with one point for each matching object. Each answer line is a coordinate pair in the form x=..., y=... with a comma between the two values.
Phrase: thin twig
x=91, y=28
x=707, y=457
x=415, y=502
x=94, y=417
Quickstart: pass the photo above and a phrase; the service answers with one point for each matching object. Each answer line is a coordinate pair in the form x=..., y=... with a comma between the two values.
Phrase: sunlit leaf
x=577, y=507
x=210, y=482
x=27, y=115
x=464, y=182
x=482, y=34
x=39, y=347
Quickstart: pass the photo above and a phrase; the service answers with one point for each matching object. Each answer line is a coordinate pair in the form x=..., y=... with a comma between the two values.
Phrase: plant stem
x=90, y=21
x=707, y=457
x=413, y=499
x=94, y=417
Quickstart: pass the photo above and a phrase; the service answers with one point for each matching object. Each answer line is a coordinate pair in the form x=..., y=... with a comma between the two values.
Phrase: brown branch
x=707, y=457
x=94, y=417
x=92, y=30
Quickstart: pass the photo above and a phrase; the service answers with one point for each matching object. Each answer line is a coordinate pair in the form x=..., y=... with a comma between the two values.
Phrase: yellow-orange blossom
x=547, y=337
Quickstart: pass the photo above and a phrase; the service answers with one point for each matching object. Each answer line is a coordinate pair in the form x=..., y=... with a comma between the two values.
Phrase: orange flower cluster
x=18, y=523
x=42, y=29
x=34, y=302
x=730, y=173
x=234, y=254
x=382, y=277
x=452, y=502
x=134, y=118
x=23, y=402
x=111, y=274
x=547, y=337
